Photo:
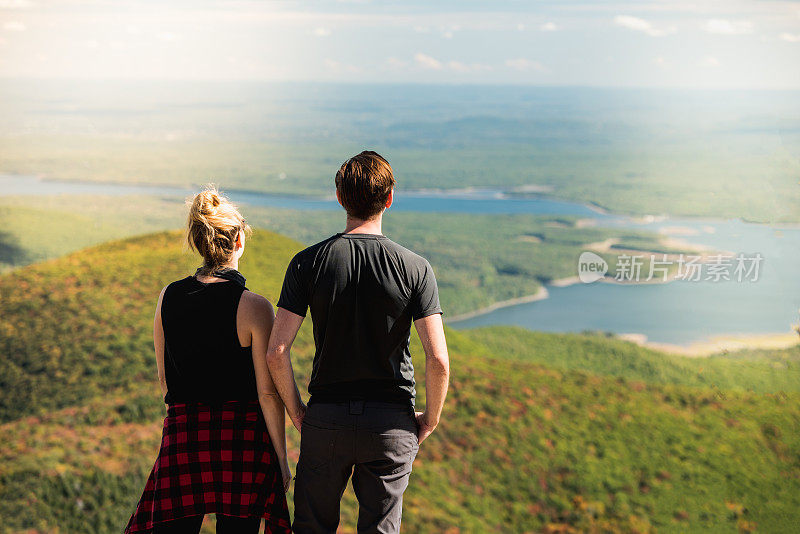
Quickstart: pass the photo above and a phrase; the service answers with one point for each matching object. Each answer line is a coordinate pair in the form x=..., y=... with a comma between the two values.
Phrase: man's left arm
x=437, y=372
x=279, y=361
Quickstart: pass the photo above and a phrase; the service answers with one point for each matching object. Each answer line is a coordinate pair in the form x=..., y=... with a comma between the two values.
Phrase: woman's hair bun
x=209, y=198
x=212, y=227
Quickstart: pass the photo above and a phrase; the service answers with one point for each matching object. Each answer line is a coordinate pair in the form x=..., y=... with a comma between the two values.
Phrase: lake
x=674, y=312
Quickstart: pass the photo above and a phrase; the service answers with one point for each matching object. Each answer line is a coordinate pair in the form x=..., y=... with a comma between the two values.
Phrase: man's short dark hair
x=364, y=183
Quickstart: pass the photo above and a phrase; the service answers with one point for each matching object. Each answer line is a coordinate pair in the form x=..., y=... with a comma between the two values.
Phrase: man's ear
x=240, y=239
x=390, y=199
x=338, y=198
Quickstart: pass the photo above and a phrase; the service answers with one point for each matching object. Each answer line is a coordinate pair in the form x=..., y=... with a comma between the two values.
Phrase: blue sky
x=732, y=43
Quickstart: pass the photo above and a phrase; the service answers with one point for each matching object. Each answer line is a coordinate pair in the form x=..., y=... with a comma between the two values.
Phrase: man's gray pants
x=375, y=443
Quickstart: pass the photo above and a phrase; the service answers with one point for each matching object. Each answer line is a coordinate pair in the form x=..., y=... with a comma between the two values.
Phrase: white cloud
x=641, y=25
x=791, y=37
x=458, y=66
x=449, y=31
x=660, y=61
x=549, y=27
x=167, y=37
x=520, y=27
x=709, y=61
x=522, y=64
x=729, y=27
x=14, y=26
x=428, y=62
x=338, y=66
x=15, y=4
x=322, y=32
x=395, y=63
x=431, y=63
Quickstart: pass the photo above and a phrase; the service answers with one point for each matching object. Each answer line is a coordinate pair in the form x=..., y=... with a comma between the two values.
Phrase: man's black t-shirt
x=364, y=290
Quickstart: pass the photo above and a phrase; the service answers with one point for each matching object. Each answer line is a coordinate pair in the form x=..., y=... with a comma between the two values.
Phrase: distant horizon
x=473, y=83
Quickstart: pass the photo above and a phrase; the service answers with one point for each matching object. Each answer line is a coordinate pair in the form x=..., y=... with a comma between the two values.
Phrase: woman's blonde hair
x=213, y=226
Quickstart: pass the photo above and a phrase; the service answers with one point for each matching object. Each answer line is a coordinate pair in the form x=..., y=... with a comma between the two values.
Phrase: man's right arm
x=437, y=372
x=279, y=362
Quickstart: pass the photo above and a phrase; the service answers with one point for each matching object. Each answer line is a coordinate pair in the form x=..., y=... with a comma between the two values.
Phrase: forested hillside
x=541, y=432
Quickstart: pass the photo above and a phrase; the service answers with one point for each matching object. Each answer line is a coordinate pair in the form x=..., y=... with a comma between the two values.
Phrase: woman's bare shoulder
x=255, y=306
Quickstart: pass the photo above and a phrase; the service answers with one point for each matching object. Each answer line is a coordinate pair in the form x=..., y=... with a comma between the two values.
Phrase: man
x=364, y=291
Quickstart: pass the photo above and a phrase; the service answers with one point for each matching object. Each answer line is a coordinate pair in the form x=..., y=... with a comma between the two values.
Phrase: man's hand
x=437, y=372
x=298, y=416
x=424, y=428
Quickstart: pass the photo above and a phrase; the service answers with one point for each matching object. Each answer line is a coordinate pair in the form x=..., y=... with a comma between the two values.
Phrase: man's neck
x=358, y=226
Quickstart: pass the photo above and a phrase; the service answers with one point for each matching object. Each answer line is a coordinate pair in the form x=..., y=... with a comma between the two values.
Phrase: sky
x=644, y=43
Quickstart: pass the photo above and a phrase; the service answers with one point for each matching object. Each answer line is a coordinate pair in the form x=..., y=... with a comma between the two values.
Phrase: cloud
x=338, y=66
x=458, y=66
x=522, y=65
x=448, y=32
x=15, y=4
x=729, y=27
x=549, y=27
x=431, y=63
x=427, y=62
x=641, y=25
x=14, y=26
x=790, y=37
x=395, y=63
x=709, y=61
x=322, y=32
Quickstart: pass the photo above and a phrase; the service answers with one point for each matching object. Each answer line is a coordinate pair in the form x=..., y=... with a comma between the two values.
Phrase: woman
x=219, y=452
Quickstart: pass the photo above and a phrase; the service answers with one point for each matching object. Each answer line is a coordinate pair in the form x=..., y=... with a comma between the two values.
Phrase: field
x=630, y=151
x=556, y=433
x=542, y=432
x=479, y=259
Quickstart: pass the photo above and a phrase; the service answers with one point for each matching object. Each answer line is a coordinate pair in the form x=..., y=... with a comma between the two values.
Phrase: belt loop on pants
x=356, y=407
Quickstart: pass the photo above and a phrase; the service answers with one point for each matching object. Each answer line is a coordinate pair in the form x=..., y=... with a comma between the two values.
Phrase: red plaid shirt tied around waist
x=214, y=459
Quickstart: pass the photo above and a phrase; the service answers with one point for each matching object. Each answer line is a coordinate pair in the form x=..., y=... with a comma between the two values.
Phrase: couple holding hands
x=225, y=371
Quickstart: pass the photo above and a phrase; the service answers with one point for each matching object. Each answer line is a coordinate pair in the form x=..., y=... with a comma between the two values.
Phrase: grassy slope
x=754, y=370
x=41, y=229
x=522, y=446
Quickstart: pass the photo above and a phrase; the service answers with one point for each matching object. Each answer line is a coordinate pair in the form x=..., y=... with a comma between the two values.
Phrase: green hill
x=530, y=440
x=40, y=228
x=754, y=369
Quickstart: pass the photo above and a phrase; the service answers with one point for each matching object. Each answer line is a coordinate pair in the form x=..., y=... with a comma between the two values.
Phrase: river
x=676, y=312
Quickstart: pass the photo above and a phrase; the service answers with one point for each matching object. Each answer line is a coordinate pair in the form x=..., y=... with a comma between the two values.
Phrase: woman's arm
x=158, y=343
x=259, y=310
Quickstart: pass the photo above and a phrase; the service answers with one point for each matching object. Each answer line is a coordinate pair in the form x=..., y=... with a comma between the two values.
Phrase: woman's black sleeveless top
x=203, y=359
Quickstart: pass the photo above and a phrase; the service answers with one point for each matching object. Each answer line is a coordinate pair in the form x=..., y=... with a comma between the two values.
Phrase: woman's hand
x=286, y=474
